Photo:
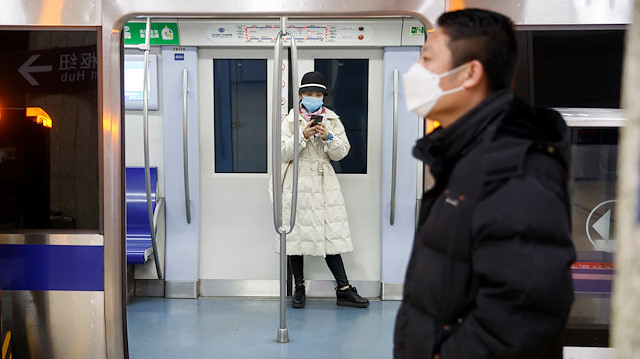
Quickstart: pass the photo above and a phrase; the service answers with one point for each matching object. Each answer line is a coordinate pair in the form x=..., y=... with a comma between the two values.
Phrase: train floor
x=247, y=328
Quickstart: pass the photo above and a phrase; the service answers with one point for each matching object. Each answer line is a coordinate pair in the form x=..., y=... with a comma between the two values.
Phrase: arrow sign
x=603, y=225
x=62, y=69
x=26, y=69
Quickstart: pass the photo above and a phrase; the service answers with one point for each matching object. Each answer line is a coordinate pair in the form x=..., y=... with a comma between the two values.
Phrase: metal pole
x=276, y=155
x=147, y=174
x=185, y=141
x=296, y=131
x=394, y=156
x=283, y=333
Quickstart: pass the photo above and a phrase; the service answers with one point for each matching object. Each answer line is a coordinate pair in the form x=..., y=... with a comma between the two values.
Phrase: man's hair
x=486, y=36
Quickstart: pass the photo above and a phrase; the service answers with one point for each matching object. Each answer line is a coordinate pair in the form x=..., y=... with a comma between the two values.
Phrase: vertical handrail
x=394, y=157
x=283, y=334
x=276, y=155
x=147, y=170
x=296, y=130
x=185, y=142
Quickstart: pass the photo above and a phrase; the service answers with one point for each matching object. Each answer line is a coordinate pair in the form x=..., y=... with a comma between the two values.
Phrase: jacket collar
x=330, y=115
x=445, y=145
x=541, y=126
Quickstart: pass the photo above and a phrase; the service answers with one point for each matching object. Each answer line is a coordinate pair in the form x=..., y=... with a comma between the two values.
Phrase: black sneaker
x=299, y=297
x=350, y=298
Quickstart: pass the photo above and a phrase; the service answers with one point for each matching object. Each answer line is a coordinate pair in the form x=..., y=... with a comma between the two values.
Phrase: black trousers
x=334, y=262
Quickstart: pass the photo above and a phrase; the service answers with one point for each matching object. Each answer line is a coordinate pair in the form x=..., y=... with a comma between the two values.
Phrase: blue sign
x=178, y=57
x=51, y=267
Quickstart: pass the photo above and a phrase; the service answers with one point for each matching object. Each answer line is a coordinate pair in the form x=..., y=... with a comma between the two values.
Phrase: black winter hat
x=313, y=81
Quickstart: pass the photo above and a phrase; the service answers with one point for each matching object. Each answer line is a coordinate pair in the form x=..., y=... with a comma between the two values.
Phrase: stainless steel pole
x=394, y=156
x=147, y=170
x=185, y=142
x=283, y=333
x=296, y=130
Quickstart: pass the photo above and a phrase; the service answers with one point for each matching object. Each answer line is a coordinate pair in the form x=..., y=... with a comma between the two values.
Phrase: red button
x=360, y=37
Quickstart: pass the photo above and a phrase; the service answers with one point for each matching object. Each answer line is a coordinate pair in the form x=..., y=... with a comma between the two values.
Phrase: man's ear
x=474, y=75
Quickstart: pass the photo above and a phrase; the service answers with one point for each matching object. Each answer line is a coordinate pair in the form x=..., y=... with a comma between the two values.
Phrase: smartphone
x=316, y=119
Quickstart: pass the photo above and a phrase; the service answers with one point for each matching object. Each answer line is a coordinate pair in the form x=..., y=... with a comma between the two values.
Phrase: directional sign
x=602, y=227
x=59, y=69
x=26, y=70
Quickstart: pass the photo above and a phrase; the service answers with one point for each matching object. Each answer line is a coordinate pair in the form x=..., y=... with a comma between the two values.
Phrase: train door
x=353, y=78
x=237, y=236
x=237, y=248
x=402, y=174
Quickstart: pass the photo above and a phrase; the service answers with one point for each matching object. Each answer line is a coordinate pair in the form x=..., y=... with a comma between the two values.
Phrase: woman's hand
x=308, y=131
x=322, y=131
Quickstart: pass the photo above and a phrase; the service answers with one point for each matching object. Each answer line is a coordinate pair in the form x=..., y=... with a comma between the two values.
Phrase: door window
x=593, y=188
x=348, y=87
x=594, y=154
x=240, y=115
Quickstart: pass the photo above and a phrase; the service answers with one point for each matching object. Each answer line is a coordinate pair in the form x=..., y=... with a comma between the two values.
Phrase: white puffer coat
x=322, y=225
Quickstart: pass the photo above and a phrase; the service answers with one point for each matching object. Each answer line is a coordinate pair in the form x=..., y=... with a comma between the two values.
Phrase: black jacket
x=489, y=274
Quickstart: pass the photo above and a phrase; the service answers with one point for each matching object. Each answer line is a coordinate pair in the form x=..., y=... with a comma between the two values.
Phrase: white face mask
x=422, y=88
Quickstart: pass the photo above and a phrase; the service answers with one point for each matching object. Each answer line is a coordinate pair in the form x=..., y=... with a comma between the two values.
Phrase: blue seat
x=139, y=246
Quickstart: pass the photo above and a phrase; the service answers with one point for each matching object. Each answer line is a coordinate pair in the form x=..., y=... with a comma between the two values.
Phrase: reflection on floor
x=240, y=328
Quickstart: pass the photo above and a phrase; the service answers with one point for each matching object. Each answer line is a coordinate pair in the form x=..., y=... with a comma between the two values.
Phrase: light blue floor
x=242, y=328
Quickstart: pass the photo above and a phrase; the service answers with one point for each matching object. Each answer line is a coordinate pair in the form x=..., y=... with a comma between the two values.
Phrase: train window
x=582, y=68
x=577, y=68
x=348, y=83
x=49, y=131
x=593, y=183
x=240, y=115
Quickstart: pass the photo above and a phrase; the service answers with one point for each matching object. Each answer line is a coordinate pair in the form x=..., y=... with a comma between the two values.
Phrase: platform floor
x=247, y=328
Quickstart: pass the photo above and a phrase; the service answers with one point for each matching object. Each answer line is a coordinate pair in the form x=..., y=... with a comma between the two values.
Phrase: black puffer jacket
x=489, y=275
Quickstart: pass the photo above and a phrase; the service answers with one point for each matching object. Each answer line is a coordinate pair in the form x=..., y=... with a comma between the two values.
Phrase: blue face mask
x=312, y=104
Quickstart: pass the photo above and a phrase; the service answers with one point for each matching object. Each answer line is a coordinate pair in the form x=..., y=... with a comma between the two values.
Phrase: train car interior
x=139, y=146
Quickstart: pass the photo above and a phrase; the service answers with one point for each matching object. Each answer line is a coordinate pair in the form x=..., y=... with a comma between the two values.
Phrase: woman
x=322, y=227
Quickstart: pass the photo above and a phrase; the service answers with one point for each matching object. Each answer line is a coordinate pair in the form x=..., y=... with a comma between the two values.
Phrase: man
x=489, y=274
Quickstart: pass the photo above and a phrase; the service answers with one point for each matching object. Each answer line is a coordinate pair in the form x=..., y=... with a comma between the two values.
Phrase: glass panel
x=348, y=86
x=48, y=131
x=577, y=68
x=240, y=115
x=593, y=182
